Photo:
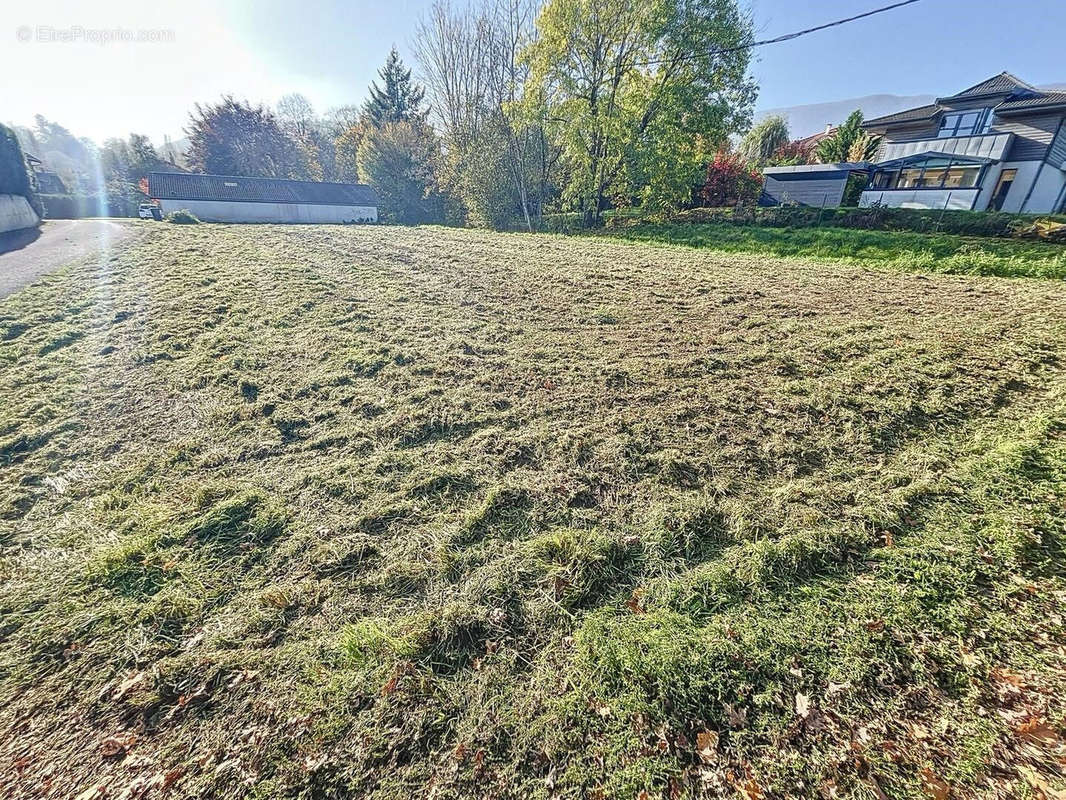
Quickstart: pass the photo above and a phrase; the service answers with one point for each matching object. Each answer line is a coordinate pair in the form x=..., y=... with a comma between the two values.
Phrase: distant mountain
x=810, y=119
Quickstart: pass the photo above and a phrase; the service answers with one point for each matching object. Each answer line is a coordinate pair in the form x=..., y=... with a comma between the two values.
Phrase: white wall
x=234, y=211
x=16, y=213
x=1049, y=183
x=1046, y=192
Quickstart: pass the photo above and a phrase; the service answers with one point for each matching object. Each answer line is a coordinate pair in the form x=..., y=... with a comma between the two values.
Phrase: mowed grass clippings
x=387, y=512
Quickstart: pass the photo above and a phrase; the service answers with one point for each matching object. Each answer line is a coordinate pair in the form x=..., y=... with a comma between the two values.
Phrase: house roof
x=1030, y=102
x=810, y=141
x=1017, y=96
x=188, y=186
x=919, y=114
x=1004, y=83
x=804, y=169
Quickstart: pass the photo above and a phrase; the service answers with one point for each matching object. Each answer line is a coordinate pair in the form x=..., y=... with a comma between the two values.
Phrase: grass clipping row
x=324, y=512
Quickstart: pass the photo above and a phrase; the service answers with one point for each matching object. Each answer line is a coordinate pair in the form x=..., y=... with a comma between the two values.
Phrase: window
x=1006, y=179
x=929, y=173
x=965, y=123
x=884, y=180
x=909, y=177
x=962, y=177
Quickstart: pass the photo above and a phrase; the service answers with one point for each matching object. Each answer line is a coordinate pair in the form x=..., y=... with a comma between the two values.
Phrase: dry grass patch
x=319, y=511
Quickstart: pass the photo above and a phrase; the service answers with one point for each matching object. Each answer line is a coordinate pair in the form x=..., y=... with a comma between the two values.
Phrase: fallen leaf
x=803, y=705
x=636, y=602
x=933, y=786
x=751, y=790
x=1037, y=731
x=875, y=625
x=707, y=746
x=116, y=745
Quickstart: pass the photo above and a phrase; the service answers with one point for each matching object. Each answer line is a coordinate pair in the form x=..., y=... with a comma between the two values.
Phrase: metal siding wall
x=1032, y=135
x=810, y=192
x=1057, y=152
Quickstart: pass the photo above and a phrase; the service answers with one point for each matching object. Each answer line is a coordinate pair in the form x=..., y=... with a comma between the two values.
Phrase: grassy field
x=896, y=250
x=388, y=513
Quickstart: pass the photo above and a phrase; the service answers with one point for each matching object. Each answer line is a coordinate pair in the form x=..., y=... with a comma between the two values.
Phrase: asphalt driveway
x=27, y=255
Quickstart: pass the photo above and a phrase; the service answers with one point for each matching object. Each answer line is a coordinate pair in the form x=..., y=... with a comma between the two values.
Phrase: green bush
x=183, y=217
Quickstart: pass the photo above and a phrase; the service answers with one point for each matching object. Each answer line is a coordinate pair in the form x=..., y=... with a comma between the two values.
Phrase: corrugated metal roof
x=186, y=186
x=1004, y=83
x=910, y=115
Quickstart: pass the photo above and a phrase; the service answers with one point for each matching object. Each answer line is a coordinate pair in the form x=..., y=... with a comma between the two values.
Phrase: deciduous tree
x=497, y=156
x=397, y=159
x=628, y=84
x=764, y=139
x=235, y=138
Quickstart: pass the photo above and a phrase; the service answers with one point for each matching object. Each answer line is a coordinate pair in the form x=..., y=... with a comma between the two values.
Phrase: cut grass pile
x=909, y=252
x=379, y=512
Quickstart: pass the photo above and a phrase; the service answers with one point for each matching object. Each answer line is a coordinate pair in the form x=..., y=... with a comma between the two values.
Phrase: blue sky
x=329, y=50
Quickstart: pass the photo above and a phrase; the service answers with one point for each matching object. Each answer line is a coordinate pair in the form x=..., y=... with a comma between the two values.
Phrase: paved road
x=25, y=257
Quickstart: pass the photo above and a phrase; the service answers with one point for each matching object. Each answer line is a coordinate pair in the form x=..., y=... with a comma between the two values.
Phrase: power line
x=785, y=37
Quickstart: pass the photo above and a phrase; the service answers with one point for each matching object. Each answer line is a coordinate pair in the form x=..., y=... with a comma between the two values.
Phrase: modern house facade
x=229, y=198
x=999, y=145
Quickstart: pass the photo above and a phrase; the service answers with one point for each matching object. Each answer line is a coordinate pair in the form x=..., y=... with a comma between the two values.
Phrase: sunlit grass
x=385, y=512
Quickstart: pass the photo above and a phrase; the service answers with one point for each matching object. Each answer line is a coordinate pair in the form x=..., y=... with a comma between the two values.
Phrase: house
x=229, y=198
x=819, y=185
x=810, y=143
x=999, y=145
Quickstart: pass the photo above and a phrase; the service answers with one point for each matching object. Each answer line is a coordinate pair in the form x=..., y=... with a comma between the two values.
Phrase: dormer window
x=965, y=123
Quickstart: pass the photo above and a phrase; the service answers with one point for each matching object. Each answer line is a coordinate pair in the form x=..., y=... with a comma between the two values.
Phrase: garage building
x=819, y=185
x=230, y=198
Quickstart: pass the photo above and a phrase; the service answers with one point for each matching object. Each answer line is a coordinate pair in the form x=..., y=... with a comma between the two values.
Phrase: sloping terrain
x=379, y=512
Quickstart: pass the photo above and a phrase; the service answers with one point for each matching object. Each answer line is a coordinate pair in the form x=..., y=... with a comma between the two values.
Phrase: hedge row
x=965, y=223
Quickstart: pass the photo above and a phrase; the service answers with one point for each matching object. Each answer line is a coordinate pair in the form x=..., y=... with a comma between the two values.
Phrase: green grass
x=392, y=512
x=910, y=252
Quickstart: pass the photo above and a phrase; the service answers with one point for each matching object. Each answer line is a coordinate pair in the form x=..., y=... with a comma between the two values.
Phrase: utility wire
x=783, y=38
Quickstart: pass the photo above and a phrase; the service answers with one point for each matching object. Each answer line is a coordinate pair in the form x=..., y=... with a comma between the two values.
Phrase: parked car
x=149, y=211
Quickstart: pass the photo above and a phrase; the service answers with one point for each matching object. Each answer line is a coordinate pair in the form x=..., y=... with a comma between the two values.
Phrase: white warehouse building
x=232, y=198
